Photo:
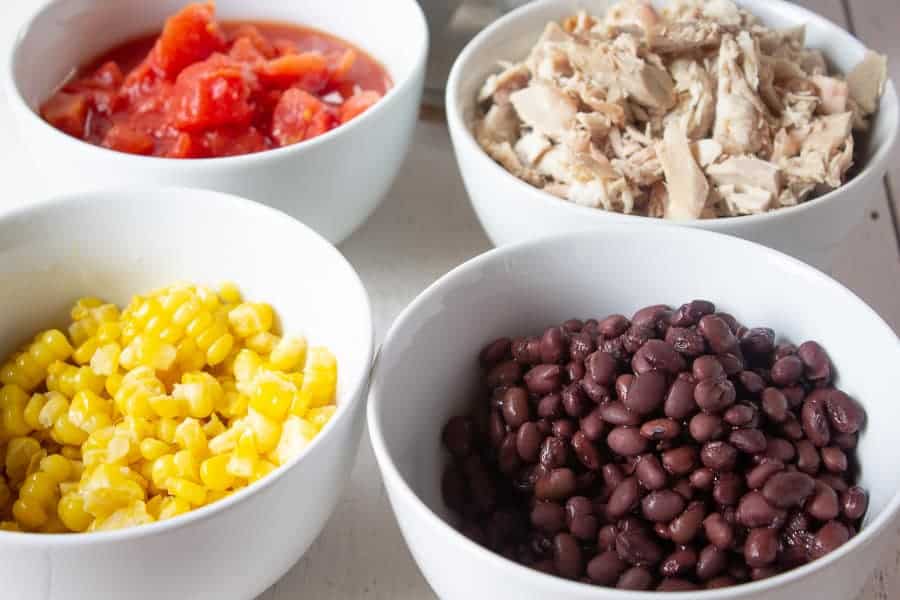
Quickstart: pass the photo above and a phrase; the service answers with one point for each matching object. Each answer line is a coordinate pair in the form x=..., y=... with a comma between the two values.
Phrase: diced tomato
x=307, y=70
x=284, y=47
x=230, y=141
x=211, y=93
x=125, y=138
x=68, y=112
x=243, y=50
x=341, y=65
x=186, y=145
x=108, y=76
x=259, y=41
x=191, y=35
x=358, y=104
x=300, y=116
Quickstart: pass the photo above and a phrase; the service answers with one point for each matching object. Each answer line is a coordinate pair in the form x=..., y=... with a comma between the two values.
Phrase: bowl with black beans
x=639, y=412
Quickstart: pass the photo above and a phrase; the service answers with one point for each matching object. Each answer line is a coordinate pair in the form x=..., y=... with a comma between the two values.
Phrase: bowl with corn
x=180, y=394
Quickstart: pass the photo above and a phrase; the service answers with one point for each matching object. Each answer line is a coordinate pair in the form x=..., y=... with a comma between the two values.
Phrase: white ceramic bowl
x=428, y=371
x=118, y=243
x=512, y=211
x=332, y=183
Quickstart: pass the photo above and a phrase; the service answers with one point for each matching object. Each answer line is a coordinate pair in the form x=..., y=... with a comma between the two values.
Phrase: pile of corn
x=137, y=416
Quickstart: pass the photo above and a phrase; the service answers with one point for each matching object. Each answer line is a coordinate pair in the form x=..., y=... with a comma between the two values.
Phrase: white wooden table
x=424, y=228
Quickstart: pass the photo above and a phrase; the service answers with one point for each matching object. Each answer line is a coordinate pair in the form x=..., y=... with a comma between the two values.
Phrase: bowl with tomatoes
x=305, y=106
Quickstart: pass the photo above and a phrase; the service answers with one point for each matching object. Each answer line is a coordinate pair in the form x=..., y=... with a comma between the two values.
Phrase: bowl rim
x=397, y=484
x=354, y=394
x=391, y=97
x=464, y=140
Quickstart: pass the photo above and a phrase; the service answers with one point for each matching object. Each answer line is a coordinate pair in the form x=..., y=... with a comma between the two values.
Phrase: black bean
x=690, y=313
x=585, y=451
x=718, y=334
x=703, y=479
x=638, y=548
x=575, y=371
x=527, y=351
x=506, y=373
x=749, y=441
x=761, y=547
x=650, y=316
x=508, y=460
x=636, y=579
x=528, y=442
x=707, y=367
x=494, y=352
x=759, y=341
x=647, y=393
x=719, y=456
x=714, y=395
x=782, y=350
x=680, y=461
x=612, y=475
x=624, y=499
x=823, y=505
x=481, y=485
x=686, y=341
x=657, y=355
x=722, y=581
x=834, y=459
x=516, y=409
x=557, y=485
x=580, y=346
x=728, y=488
x=780, y=449
x=575, y=402
x=601, y=367
x=815, y=422
x=680, y=562
x=808, y=458
x=573, y=326
x=844, y=413
x=740, y=415
x=845, y=441
x=567, y=556
x=553, y=346
x=662, y=506
x=829, y=538
x=593, y=425
x=614, y=325
x=458, y=436
x=755, y=511
x=615, y=413
x=854, y=503
x=732, y=363
x=550, y=406
x=544, y=379
x=496, y=429
x=584, y=527
x=816, y=364
x=761, y=473
x=835, y=482
x=751, y=382
x=606, y=567
x=626, y=441
x=606, y=538
x=705, y=428
x=596, y=392
x=650, y=473
x=661, y=429
x=548, y=517
x=788, y=489
x=711, y=563
x=553, y=452
x=774, y=404
x=685, y=527
x=564, y=429
x=719, y=532
x=680, y=402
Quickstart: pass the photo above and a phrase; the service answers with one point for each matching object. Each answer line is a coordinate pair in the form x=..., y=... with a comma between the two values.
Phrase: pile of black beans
x=675, y=450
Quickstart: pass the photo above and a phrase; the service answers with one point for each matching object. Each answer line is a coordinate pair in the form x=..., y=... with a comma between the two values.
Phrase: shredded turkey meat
x=694, y=111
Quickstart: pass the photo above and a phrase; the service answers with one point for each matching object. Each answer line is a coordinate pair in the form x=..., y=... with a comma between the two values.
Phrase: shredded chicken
x=691, y=112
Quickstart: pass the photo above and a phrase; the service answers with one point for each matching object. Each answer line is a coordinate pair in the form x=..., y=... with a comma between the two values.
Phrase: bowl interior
x=428, y=368
x=512, y=38
x=118, y=243
x=66, y=33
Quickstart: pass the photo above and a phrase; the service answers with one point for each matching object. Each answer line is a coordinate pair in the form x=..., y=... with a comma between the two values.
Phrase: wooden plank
x=875, y=22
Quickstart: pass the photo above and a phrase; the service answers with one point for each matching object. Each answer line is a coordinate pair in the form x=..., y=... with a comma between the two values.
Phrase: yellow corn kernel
x=272, y=395
x=289, y=353
x=208, y=297
x=83, y=307
x=85, y=351
x=109, y=488
x=186, y=465
x=262, y=342
x=168, y=407
x=155, y=504
x=58, y=467
x=320, y=416
x=226, y=441
x=109, y=332
x=263, y=468
x=55, y=341
x=229, y=292
x=87, y=379
x=296, y=434
x=209, y=336
x=13, y=401
x=71, y=452
x=234, y=403
x=189, y=435
x=33, y=410
x=105, y=360
x=219, y=350
x=55, y=406
x=201, y=391
x=85, y=405
x=214, y=427
x=214, y=473
x=266, y=430
x=244, y=458
x=19, y=454
x=165, y=430
x=71, y=512
x=152, y=448
x=42, y=488
x=172, y=507
x=246, y=365
x=163, y=469
x=113, y=382
x=128, y=516
x=186, y=312
x=250, y=318
x=29, y=513
x=200, y=323
x=187, y=490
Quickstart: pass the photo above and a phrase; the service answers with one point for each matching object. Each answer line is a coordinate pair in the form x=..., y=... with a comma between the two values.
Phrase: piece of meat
x=642, y=168
x=867, y=80
x=499, y=86
x=696, y=108
x=746, y=200
x=633, y=13
x=548, y=59
x=746, y=171
x=706, y=152
x=687, y=185
x=500, y=124
x=833, y=92
x=545, y=108
x=740, y=120
x=531, y=147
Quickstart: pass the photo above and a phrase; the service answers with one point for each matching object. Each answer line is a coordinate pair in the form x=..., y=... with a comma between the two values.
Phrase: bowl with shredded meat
x=755, y=118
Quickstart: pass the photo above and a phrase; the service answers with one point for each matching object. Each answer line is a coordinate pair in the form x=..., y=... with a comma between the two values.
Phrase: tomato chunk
x=125, y=138
x=300, y=116
x=257, y=39
x=230, y=141
x=187, y=37
x=68, y=112
x=306, y=70
x=211, y=93
x=358, y=104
